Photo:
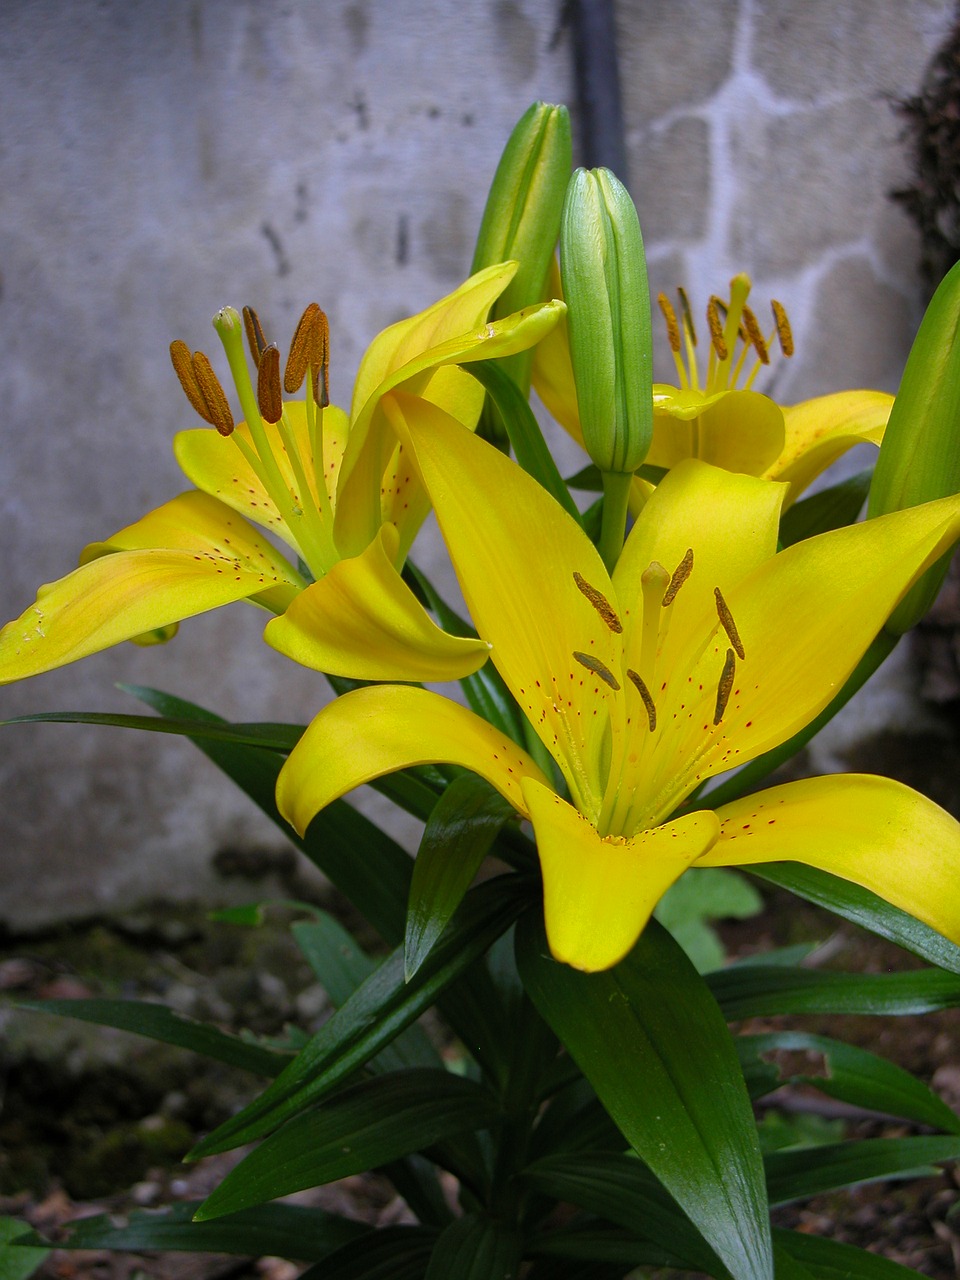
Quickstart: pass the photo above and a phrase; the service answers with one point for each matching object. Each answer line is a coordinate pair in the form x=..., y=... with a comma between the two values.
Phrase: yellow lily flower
x=716, y=415
x=704, y=649
x=286, y=469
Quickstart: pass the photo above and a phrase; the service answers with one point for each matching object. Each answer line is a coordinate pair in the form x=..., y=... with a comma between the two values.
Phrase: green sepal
x=649, y=1037
x=360, y=1128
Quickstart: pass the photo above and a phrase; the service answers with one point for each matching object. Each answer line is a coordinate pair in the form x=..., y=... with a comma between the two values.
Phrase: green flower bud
x=604, y=274
x=521, y=220
x=919, y=458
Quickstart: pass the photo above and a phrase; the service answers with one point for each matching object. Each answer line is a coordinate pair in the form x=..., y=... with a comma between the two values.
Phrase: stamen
x=269, y=399
x=784, y=332
x=725, y=687
x=299, y=356
x=755, y=336
x=213, y=394
x=600, y=603
x=687, y=314
x=596, y=666
x=255, y=339
x=182, y=359
x=728, y=624
x=716, y=327
x=680, y=574
x=645, y=697
x=670, y=316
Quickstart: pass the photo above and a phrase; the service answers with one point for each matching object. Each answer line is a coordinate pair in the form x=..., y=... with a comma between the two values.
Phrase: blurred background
x=160, y=161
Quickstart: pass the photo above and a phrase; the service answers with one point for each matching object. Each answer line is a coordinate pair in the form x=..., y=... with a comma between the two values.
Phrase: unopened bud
x=919, y=458
x=604, y=276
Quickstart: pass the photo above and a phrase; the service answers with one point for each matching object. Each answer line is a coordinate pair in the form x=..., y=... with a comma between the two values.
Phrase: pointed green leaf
x=387, y=1253
x=757, y=991
x=373, y=1016
x=275, y=1230
x=157, y=1022
x=829, y=1260
x=829, y=509
x=649, y=1037
x=18, y=1262
x=360, y=1128
x=793, y=1175
x=475, y=1247
x=853, y=1075
x=864, y=908
x=459, y=833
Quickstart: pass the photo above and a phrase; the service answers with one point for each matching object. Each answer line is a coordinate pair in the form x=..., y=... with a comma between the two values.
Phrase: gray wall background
x=158, y=160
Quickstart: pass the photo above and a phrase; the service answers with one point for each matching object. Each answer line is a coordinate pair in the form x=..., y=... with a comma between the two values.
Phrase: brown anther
x=600, y=603
x=687, y=314
x=269, y=399
x=716, y=327
x=680, y=574
x=670, y=316
x=728, y=624
x=725, y=687
x=213, y=394
x=784, y=332
x=255, y=339
x=309, y=349
x=182, y=358
x=645, y=697
x=755, y=336
x=598, y=669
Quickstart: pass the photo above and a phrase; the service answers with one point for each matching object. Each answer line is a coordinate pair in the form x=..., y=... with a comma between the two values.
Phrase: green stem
x=616, y=491
x=758, y=769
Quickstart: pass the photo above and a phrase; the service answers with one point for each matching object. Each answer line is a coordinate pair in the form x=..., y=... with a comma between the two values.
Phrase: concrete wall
x=158, y=160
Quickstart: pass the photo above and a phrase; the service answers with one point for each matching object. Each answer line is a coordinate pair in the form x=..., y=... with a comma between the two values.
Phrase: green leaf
x=376, y=1013
x=829, y=509
x=389, y=1253
x=846, y=899
x=524, y=431
x=648, y=1036
x=853, y=1075
x=475, y=1247
x=828, y=1260
x=362, y=1127
x=17, y=1261
x=157, y=1022
x=623, y=1190
x=376, y=883
x=599, y=1242
x=790, y=1268
x=465, y=822
x=757, y=991
x=792, y=1175
x=701, y=896
x=275, y=1230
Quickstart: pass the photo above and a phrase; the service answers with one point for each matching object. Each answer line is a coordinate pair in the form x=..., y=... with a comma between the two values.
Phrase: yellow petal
x=382, y=728
x=216, y=465
x=516, y=552
x=121, y=597
x=361, y=620
x=459, y=312
x=804, y=618
x=819, y=431
x=598, y=894
x=427, y=376
x=738, y=430
x=873, y=831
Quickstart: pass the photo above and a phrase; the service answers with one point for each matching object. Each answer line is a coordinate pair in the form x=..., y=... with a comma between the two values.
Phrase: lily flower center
x=655, y=712
x=288, y=466
x=738, y=347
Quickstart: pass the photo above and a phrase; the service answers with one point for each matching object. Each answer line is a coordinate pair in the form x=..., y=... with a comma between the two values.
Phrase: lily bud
x=521, y=220
x=919, y=458
x=604, y=275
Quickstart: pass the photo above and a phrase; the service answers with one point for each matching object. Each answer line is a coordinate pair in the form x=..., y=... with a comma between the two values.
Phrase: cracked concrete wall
x=159, y=161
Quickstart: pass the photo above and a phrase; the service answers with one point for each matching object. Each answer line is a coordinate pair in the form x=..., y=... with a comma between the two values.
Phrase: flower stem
x=616, y=491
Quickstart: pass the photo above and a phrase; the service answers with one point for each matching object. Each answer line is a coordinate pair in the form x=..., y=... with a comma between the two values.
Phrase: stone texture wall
x=157, y=161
